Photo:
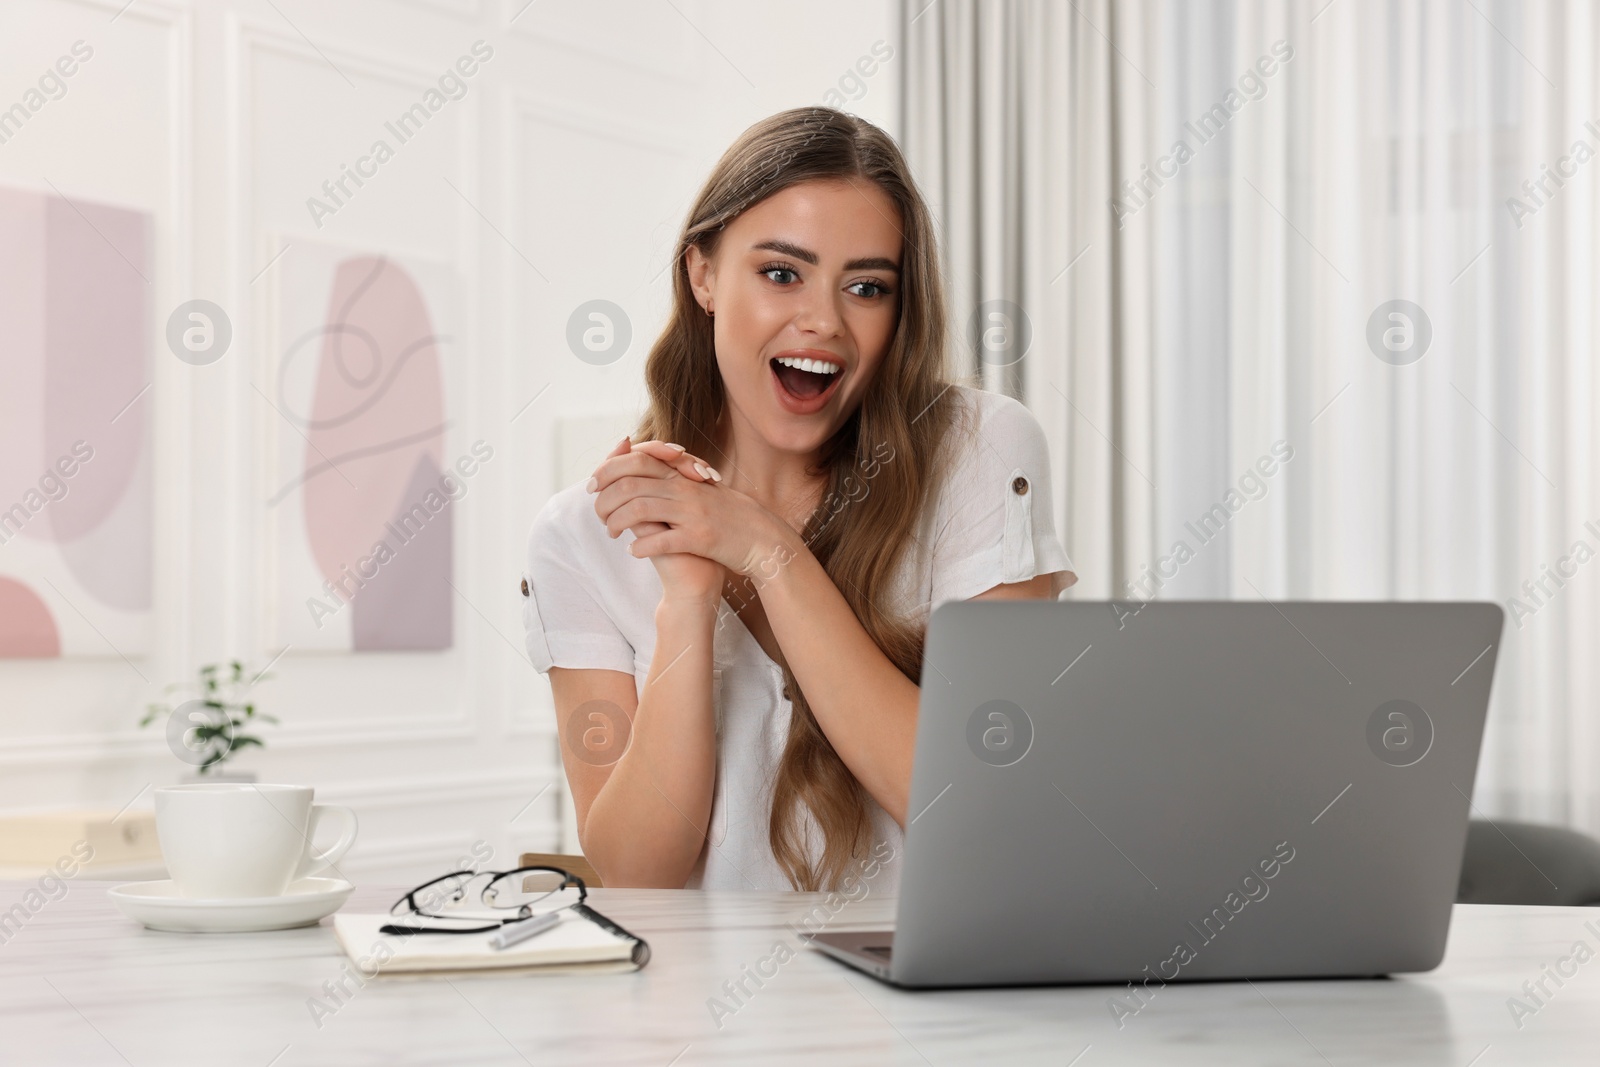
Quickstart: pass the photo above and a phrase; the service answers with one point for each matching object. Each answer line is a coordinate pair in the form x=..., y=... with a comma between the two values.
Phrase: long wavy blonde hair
x=903, y=416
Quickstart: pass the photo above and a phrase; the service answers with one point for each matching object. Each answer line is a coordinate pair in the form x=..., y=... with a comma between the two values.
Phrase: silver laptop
x=1110, y=792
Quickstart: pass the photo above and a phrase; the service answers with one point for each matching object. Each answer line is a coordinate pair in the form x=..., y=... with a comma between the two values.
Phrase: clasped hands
x=686, y=523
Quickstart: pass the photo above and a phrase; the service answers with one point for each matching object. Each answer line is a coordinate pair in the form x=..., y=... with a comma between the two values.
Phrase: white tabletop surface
x=80, y=984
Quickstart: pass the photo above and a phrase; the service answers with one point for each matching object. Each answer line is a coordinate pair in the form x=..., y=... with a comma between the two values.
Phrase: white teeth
x=815, y=366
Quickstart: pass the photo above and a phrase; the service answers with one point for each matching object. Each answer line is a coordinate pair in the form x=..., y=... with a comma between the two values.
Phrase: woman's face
x=809, y=275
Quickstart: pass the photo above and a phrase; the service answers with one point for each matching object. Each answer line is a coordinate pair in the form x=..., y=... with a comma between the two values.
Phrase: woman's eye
x=877, y=290
x=770, y=271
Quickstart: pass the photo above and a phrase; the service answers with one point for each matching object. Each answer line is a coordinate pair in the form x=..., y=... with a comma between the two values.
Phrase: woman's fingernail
x=674, y=447
x=626, y=440
x=702, y=470
x=594, y=483
x=714, y=475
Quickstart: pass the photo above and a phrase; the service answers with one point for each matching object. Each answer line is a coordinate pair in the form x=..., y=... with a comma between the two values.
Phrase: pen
x=525, y=929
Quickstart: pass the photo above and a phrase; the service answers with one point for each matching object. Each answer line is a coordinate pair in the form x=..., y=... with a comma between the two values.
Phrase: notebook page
x=574, y=940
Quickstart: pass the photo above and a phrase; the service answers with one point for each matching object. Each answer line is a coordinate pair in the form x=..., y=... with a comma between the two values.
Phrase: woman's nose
x=820, y=314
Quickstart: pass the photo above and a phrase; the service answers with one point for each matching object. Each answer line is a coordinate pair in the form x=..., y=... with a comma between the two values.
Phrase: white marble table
x=81, y=985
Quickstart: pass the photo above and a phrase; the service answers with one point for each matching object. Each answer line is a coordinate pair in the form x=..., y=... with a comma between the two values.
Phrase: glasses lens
x=520, y=889
x=440, y=897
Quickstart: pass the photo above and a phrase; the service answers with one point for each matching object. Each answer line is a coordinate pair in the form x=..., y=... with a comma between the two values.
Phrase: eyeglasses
x=487, y=900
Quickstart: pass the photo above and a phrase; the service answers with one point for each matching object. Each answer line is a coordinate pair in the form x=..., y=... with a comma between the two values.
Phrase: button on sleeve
x=563, y=618
x=995, y=524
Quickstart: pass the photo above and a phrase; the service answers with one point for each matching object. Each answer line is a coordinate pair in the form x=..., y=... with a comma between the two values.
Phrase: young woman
x=732, y=610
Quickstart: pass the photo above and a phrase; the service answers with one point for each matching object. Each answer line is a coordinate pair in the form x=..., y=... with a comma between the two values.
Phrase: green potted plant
x=206, y=730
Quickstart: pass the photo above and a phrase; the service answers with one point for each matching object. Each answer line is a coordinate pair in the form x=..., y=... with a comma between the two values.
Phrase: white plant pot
x=219, y=776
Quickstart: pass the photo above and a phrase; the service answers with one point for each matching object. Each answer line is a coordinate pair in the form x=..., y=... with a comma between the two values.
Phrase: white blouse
x=589, y=604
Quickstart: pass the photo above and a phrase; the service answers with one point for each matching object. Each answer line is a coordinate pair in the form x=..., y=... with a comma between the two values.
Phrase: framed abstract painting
x=364, y=467
x=75, y=427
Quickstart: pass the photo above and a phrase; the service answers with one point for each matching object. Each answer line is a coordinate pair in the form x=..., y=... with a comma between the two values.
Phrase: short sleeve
x=995, y=521
x=564, y=619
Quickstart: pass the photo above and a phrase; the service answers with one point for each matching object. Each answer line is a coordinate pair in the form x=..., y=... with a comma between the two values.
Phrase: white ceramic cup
x=226, y=839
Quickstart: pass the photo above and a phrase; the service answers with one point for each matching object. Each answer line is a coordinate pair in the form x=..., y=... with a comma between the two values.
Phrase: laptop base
x=865, y=950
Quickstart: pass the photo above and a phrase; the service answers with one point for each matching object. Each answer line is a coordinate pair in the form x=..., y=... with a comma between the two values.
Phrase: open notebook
x=583, y=941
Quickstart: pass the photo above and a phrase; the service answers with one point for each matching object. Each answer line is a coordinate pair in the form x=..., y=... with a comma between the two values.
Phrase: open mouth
x=806, y=380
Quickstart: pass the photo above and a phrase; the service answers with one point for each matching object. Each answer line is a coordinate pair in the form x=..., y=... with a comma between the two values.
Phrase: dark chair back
x=1528, y=863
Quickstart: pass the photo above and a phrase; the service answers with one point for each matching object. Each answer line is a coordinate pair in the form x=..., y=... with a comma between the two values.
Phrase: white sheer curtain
x=1339, y=156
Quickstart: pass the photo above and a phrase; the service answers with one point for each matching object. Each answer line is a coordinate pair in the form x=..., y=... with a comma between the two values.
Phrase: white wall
x=572, y=158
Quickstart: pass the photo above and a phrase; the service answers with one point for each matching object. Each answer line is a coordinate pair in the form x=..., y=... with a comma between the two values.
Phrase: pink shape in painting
x=27, y=630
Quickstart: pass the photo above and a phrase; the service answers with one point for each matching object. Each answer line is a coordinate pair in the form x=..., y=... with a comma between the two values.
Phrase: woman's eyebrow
x=789, y=248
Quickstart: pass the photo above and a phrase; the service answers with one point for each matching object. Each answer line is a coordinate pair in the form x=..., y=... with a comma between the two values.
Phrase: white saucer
x=157, y=905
